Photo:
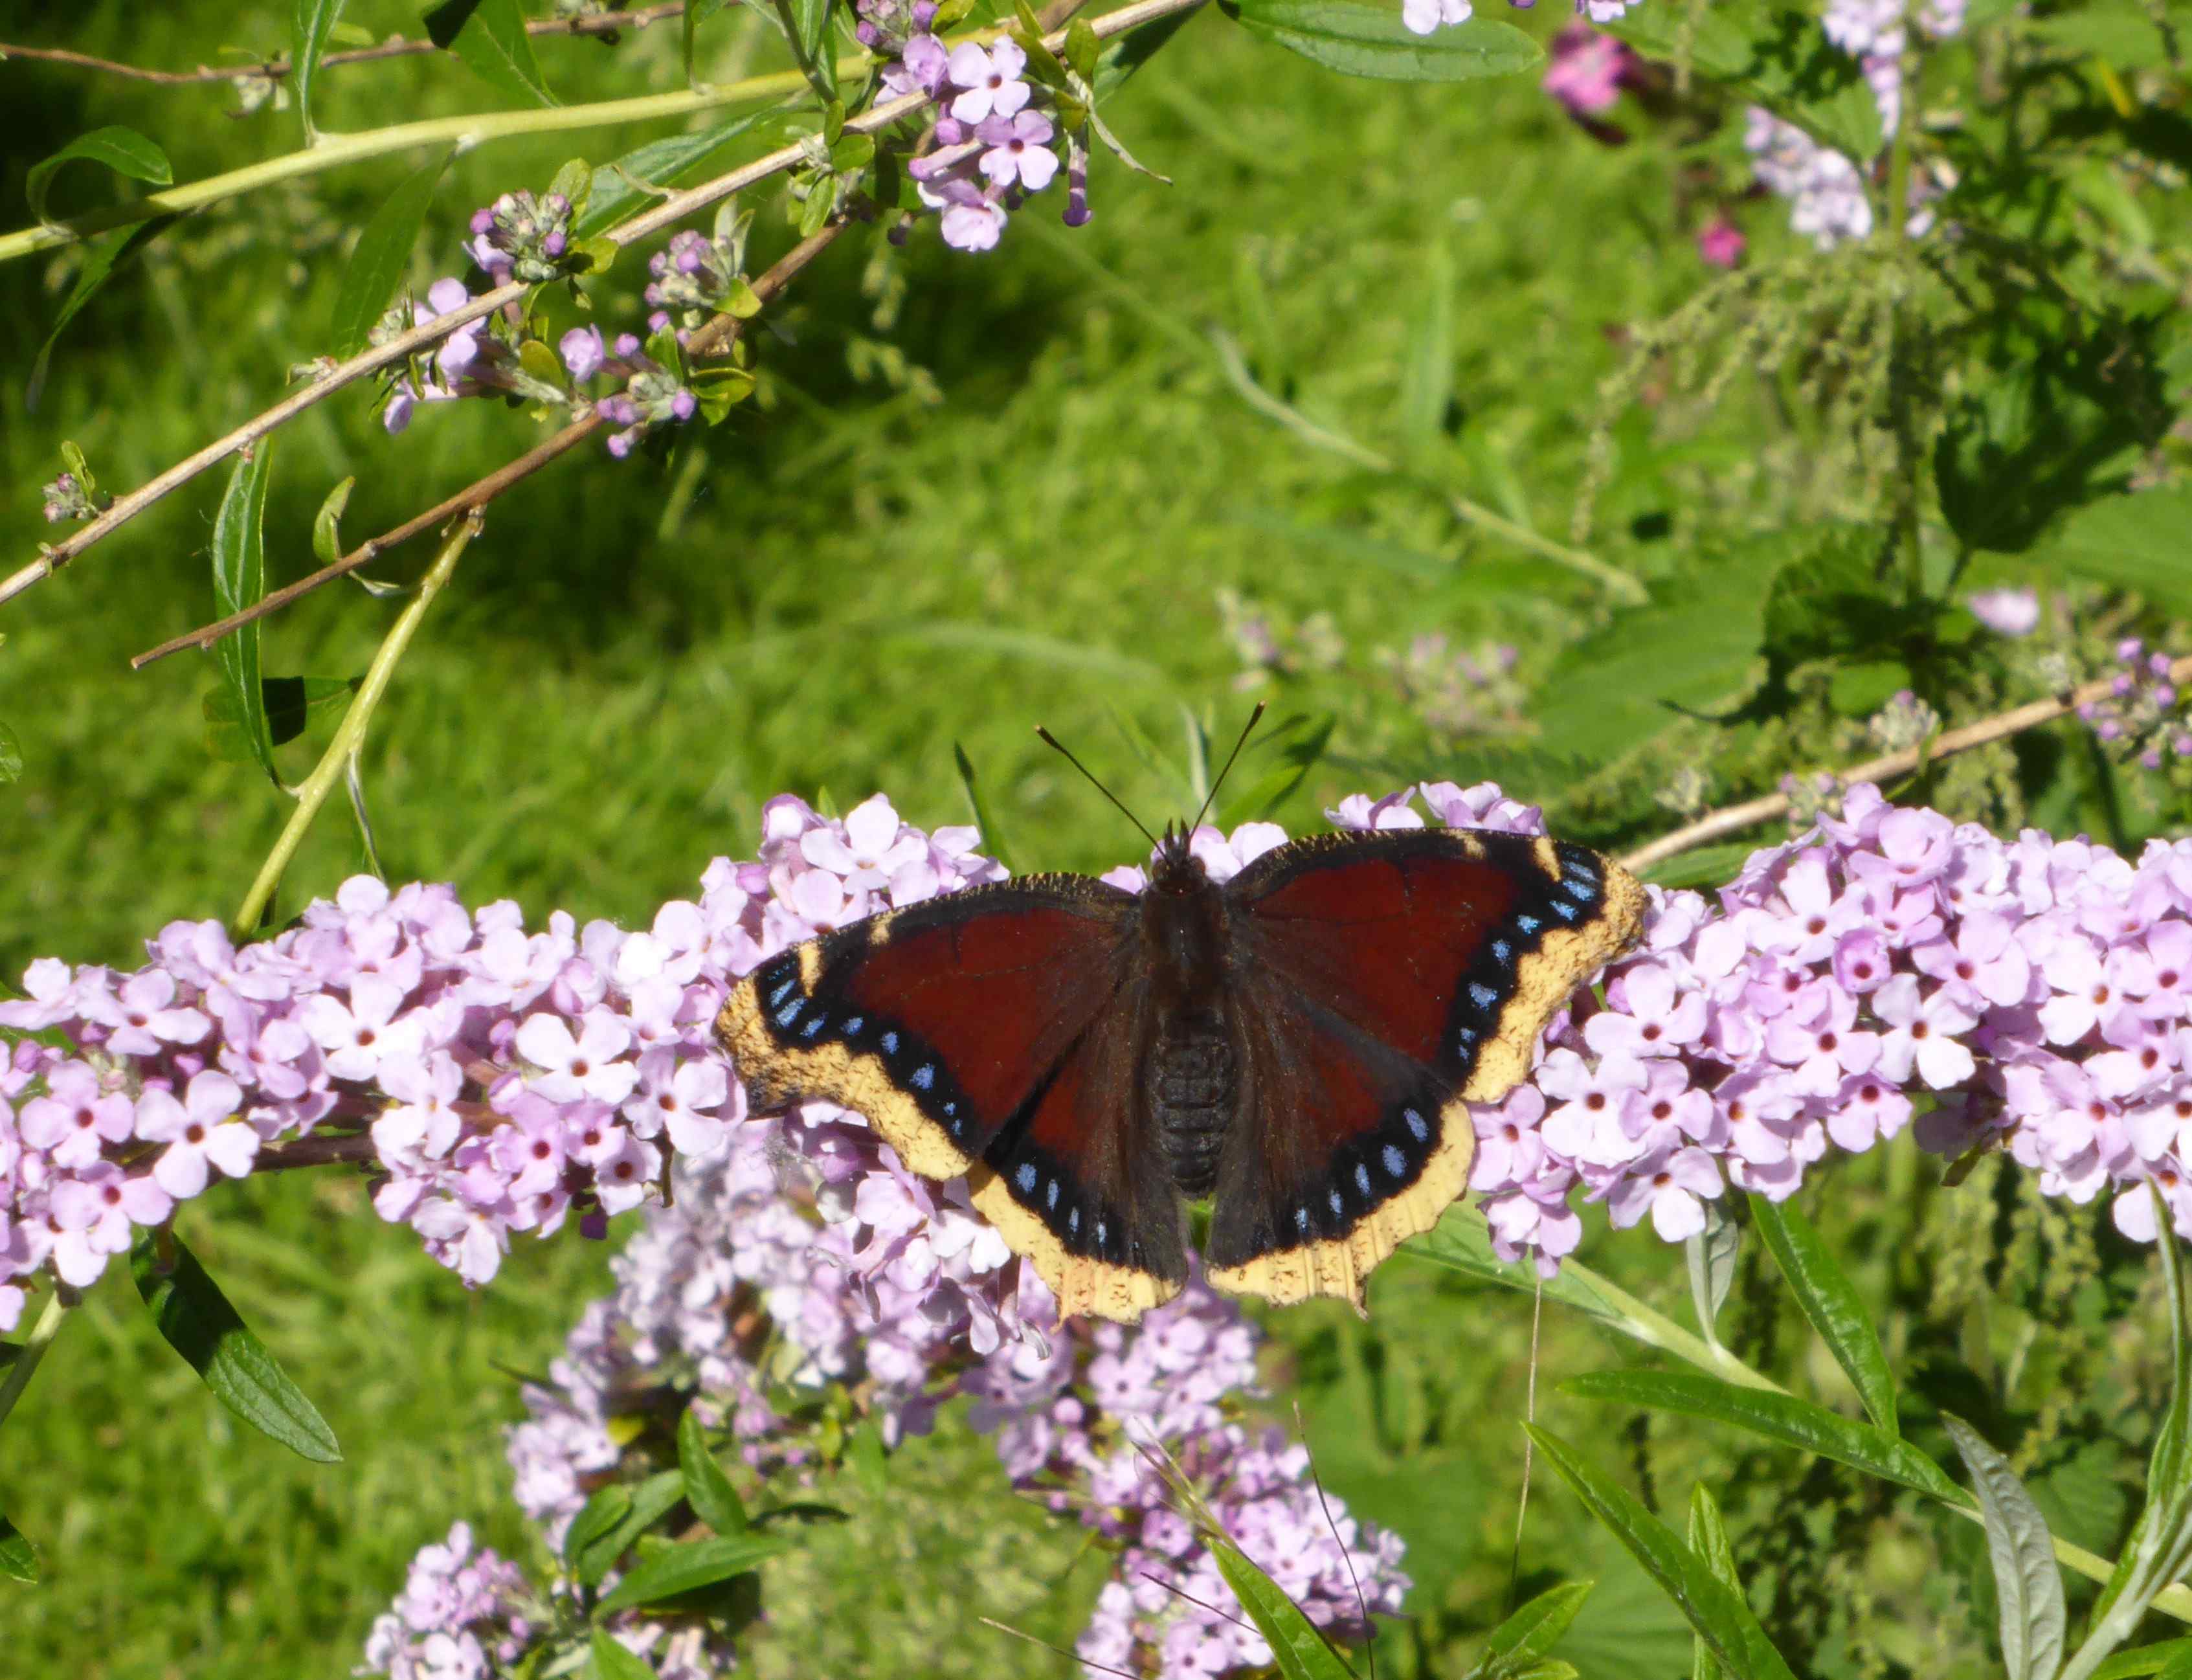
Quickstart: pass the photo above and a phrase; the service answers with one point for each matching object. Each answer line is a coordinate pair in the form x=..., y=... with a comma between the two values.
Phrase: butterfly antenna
x=1248, y=729
x=1052, y=742
x=1058, y=1650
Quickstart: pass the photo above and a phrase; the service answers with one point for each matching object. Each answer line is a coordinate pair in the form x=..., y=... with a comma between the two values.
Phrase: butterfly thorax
x=1188, y=1083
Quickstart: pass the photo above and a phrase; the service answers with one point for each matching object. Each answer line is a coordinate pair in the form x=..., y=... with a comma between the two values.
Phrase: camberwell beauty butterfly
x=1301, y=1045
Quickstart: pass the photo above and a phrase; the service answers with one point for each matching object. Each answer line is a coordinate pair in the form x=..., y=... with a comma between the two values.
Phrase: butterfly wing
x=990, y=1033
x=1385, y=982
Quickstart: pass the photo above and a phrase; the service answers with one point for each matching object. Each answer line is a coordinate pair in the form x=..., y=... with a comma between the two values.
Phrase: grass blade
x=198, y=1322
x=2026, y=1582
x=1722, y=1615
x=239, y=578
x=1830, y=1301
x=993, y=839
x=1779, y=1417
x=1427, y=376
x=1534, y=1629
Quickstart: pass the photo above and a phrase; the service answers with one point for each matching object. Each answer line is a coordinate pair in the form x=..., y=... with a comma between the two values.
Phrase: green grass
x=842, y=588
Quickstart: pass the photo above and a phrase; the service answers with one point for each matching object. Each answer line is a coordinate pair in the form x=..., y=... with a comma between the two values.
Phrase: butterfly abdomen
x=1191, y=1088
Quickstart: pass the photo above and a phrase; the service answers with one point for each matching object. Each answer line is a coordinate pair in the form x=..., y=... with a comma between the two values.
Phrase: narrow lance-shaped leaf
x=239, y=578
x=1372, y=40
x=310, y=23
x=103, y=259
x=489, y=36
x=124, y=151
x=1779, y=1417
x=1830, y=1301
x=1708, y=1540
x=2163, y=1658
x=647, y=1503
x=613, y=1660
x=2027, y=1585
x=383, y=252
x=1533, y=1630
x=18, y=1559
x=200, y=1324
x=1711, y=1256
x=714, y=1500
x=1298, y=1649
x=684, y=1568
x=1720, y=1614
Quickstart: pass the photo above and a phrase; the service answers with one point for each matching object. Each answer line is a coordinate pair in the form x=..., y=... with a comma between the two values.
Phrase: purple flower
x=1018, y=151
x=582, y=351
x=990, y=79
x=1586, y=71
x=2007, y=612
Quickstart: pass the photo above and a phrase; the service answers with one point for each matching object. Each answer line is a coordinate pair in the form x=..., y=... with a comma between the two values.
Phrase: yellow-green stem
x=331, y=152
x=349, y=735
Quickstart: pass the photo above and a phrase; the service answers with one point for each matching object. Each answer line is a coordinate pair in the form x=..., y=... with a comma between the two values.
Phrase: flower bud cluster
x=522, y=237
x=2142, y=713
x=993, y=146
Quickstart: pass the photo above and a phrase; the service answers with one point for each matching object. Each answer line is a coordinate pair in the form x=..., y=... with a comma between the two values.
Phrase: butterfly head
x=1176, y=869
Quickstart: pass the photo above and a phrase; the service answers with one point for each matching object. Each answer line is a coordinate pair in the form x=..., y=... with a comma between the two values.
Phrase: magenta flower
x=1586, y=70
x=1721, y=243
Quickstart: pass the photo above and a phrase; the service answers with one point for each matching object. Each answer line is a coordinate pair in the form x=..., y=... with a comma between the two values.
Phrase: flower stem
x=32, y=1351
x=349, y=735
x=1899, y=371
x=331, y=152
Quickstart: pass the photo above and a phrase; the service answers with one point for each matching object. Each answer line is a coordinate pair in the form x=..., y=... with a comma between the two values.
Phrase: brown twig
x=318, y=1150
x=396, y=47
x=674, y=209
x=1751, y=812
x=713, y=339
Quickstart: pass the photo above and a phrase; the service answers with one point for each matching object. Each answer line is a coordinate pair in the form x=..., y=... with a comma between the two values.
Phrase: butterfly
x=1299, y=1043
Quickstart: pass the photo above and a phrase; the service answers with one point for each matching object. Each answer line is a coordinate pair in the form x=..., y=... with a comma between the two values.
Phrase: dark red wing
x=989, y=1033
x=1387, y=980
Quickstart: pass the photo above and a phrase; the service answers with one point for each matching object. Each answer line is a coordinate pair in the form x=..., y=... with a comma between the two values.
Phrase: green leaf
x=1828, y=602
x=124, y=151
x=993, y=839
x=714, y=1500
x=1532, y=1630
x=810, y=22
x=382, y=253
x=620, y=185
x=682, y=1569
x=1711, y=1256
x=2142, y=542
x=239, y=578
x=1427, y=371
x=289, y=703
x=647, y=1503
x=1693, y=647
x=1299, y=1650
x=1708, y=1540
x=1353, y=546
x=1128, y=53
x=1462, y=1243
x=608, y=1508
x=489, y=36
x=1777, y=57
x=1372, y=40
x=310, y=23
x=1779, y=1417
x=612, y=1661
x=11, y=756
x=1723, y=1617
x=1830, y=1302
x=199, y=1323
x=327, y=524
x=103, y=259
x=1708, y=866
x=2146, y=1660
x=870, y=1463
x=18, y=1559
x=690, y=24
x=2027, y=1585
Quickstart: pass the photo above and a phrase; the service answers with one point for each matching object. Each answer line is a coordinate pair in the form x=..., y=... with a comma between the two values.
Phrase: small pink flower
x=201, y=1128
x=991, y=80
x=1721, y=242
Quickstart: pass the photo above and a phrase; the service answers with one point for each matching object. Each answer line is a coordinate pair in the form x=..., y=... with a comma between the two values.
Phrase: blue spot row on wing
x=1366, y=1173
x=807, y=1021
x=1046, y=1188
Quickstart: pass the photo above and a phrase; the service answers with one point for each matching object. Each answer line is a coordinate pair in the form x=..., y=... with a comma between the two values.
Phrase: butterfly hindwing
x=977, y=1033
x=1408, y=973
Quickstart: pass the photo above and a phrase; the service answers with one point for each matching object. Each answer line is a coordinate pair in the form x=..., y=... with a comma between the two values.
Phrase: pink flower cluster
x=464, y=1614
x=1083, y=1422
x=804, y=1243
x=502, y=1079
x=2027, y=995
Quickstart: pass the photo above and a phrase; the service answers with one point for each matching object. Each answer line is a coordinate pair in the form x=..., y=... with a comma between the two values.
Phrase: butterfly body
x=1299, y=1043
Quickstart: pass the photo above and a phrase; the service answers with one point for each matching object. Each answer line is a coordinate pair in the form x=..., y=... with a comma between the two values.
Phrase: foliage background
x=988, y=492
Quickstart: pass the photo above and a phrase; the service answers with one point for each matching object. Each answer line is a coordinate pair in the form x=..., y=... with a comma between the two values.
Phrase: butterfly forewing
x=1384, y=981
